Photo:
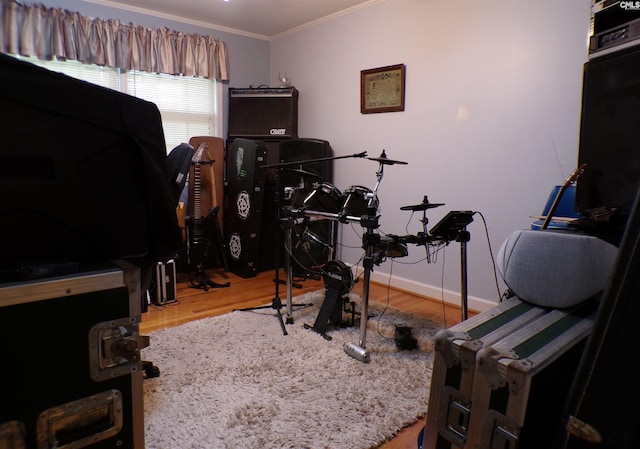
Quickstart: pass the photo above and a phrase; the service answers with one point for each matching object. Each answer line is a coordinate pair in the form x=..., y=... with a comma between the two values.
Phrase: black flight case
x=71, y=373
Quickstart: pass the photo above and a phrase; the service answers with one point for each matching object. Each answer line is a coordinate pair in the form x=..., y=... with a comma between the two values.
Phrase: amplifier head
x=263, y=113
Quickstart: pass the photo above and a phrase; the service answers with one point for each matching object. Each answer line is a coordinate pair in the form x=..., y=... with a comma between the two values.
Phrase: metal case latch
x=114, y=348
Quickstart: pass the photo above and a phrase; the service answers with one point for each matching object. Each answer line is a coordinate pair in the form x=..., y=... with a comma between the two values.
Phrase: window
x=189, y=106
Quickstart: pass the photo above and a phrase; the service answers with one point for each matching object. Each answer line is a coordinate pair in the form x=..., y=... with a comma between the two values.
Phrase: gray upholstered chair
x=556, y=269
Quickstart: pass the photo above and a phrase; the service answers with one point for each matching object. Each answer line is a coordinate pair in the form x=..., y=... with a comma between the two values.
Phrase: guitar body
x=200, y=238
x=212, y=176
x=200, y=223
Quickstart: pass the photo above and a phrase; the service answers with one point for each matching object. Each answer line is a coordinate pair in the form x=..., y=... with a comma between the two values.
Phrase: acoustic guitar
x=570, y=180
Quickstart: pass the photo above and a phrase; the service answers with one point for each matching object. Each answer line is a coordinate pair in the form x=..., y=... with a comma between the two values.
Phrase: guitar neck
x=197, y=231
x=197, y=201
x=554, y=206
x=556, y=202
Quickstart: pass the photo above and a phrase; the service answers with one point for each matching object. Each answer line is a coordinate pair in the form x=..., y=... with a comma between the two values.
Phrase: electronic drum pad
x=338, y=276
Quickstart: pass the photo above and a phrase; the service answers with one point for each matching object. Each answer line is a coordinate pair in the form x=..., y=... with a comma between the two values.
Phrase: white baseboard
x=450, y=297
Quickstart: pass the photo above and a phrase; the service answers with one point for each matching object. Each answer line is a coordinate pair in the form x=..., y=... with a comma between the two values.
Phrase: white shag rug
x=235, y=382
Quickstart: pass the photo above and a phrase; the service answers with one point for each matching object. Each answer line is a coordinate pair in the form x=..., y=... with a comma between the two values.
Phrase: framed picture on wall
x=382, y=89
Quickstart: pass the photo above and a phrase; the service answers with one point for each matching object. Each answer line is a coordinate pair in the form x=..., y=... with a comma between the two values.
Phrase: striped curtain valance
x=55, y=33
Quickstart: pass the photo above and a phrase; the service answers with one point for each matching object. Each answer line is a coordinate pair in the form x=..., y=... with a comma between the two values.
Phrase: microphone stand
x=276, y=302
x=308, y=161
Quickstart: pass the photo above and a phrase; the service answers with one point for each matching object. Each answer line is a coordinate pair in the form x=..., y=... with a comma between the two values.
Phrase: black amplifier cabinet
x=313, y=240
x=263, y=113
x=609, y=141
x=71, y=372
x=615, y=25
x=285, y=151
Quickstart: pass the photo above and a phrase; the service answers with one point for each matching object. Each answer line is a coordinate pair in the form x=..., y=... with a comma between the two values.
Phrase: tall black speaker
x=245, y=197
x=263, y=113
x=270, y=215
x=313, y=240
x=284, y=151
x=610, y=136
x=293, y=150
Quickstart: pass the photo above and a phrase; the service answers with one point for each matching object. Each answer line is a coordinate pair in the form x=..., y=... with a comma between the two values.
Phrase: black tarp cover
x=83, y=171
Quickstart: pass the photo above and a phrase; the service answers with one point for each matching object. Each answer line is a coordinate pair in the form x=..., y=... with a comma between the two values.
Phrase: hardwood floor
x=193, y=304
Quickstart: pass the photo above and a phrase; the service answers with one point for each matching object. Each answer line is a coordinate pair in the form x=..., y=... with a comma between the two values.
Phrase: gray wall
x=491, y=119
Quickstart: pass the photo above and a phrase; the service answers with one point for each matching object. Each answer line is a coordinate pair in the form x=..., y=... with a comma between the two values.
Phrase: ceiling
x=264, y=18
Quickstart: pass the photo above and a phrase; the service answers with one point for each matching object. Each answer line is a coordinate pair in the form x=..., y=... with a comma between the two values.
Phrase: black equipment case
x=245, y=198
x=603, y=409
x=71, y=372
x=521, y=382
x=163, y=288
x=454, y=367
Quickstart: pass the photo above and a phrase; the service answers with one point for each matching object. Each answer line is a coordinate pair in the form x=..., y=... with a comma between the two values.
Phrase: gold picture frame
x=382, y=89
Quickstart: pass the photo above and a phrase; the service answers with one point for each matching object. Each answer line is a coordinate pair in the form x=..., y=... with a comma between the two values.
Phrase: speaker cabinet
x=302, y=150
x=312, y=240
x=610, y=133
x=270, y=225
x=264, y=113
x=292, y=150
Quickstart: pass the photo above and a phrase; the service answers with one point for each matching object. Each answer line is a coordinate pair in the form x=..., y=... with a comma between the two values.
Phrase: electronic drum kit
x=358, y=204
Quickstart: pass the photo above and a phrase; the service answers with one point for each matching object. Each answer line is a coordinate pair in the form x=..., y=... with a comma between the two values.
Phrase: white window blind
x=103, y=76
x=189, y=106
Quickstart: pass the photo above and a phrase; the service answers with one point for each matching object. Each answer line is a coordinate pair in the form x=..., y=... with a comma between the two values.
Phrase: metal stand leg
x=359, y=351
x=463, y=237
x=289, y=272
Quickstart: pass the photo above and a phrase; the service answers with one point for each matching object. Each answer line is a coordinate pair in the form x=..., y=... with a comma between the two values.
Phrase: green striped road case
x=454, y=363
x=522, y=381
